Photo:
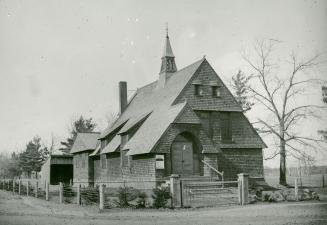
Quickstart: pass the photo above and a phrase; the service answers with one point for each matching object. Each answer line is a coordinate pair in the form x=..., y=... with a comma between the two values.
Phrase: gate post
x=174, y=189
x=60, y=192
x=296, y=190
x=27, y=188
x=13, y=185
x=243, y=188
x=101, y=195
x=78, y=195
x=46, y=190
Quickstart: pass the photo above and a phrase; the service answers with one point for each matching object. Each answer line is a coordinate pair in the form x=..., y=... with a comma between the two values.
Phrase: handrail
x=214, y=169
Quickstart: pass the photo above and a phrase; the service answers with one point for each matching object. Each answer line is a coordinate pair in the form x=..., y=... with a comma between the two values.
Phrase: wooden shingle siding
x=205, y=75
x=234, y=161
x=81, y=173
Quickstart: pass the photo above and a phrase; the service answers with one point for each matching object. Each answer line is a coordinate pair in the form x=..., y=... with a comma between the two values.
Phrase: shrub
x=125, y=195
x=141, y=200
x=160, y=196
x=90, y=195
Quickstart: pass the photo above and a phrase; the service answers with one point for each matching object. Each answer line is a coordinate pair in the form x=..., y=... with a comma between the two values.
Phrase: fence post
x=60, y=192
x=296, y=190
x=19, y=186
x=46, y=190
x=78, y=195
x=13, y=185
x=36, y=189
x=243, y=188
x=174, y=190
x=27, y=188
x=323, y=180
x=101, y=206
x=8, y=185
x=70, y=182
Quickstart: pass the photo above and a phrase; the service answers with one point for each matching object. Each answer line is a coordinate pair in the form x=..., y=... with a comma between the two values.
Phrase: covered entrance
x=185, y=155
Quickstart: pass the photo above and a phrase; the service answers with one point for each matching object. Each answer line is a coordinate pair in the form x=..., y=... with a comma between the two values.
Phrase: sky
x=60, y=59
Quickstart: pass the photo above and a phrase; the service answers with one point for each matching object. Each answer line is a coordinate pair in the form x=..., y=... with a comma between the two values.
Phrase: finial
x=166, y=29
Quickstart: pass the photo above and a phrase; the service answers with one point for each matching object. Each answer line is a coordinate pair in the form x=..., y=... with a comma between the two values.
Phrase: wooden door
x=182, y=158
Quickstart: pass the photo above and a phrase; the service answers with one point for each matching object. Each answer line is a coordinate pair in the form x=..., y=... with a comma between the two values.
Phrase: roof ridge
x=173, y=73
x=202, y=59
x=89, y=132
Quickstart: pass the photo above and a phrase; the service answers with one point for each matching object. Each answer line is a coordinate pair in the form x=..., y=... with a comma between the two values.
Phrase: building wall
x=111, y=172
x=139, y=172
x=235, y=161
x=207, y=76
x=81, y=170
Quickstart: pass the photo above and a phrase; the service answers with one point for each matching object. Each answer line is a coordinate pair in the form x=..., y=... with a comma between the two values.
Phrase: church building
x=186, y=122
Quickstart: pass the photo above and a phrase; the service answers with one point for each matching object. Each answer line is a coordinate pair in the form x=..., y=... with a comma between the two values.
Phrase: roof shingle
x=85, y=141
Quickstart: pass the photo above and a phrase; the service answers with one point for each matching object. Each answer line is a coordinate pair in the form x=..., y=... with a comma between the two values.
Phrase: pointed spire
x=168, y=59
x=168, y=52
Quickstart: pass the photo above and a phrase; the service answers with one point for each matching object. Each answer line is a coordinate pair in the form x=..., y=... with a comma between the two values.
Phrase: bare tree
x=277, y=94
x=323, y=133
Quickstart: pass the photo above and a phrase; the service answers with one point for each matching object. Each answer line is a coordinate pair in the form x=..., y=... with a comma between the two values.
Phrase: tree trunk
x=282, y=167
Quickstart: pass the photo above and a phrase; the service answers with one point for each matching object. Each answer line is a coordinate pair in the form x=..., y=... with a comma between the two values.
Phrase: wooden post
x=46, y=190
x=8, y=185
x=60, y=193
x=239, y=186
x=36, y=189
x=323, y=180
x=244, y=188
x=13, y=186
x=78, y=195
x=4, y=185
x=296, y=190
x=70, y=182
x=174, y=189
x=19, y=186
x=28, y=188
x=101, y=194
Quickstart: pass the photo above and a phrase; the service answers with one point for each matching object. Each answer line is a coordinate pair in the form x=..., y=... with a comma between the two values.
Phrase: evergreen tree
x=33, y=157
x=240, y=86
x=81, y=125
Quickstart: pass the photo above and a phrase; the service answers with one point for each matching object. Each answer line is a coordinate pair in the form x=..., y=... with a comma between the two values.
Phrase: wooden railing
x=215, y=170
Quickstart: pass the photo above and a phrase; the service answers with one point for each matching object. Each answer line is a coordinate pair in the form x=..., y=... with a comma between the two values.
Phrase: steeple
x=168, y=59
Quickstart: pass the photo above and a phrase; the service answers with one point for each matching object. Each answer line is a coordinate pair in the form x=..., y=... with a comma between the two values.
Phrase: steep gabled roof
x=152, y=129
x=85, y=142
x=112, y=146
x=150, y=97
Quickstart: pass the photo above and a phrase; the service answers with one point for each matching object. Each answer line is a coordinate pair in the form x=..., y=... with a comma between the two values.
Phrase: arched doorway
x=185, y=155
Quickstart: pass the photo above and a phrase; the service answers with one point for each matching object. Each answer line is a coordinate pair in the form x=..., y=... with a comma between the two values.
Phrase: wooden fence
x=104, y=194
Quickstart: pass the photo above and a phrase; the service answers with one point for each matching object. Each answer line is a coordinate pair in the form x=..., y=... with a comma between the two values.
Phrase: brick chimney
x=122, y=96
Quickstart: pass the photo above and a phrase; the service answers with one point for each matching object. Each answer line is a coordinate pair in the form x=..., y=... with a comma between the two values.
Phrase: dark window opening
x=103, y=161
x=199, y=90
x=216, y=91
x=226, y=127
x=83, y=156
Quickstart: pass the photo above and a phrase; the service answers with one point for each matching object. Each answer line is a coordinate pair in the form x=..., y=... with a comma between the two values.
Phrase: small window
x=216, y=91
x=226, y=127
x=83, y=160
x=103, y=161
x=199, y=90
x=160, y=162
x=76, y=161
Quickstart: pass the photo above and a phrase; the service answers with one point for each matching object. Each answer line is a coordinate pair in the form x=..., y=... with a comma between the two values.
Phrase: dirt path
x=15, y=210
